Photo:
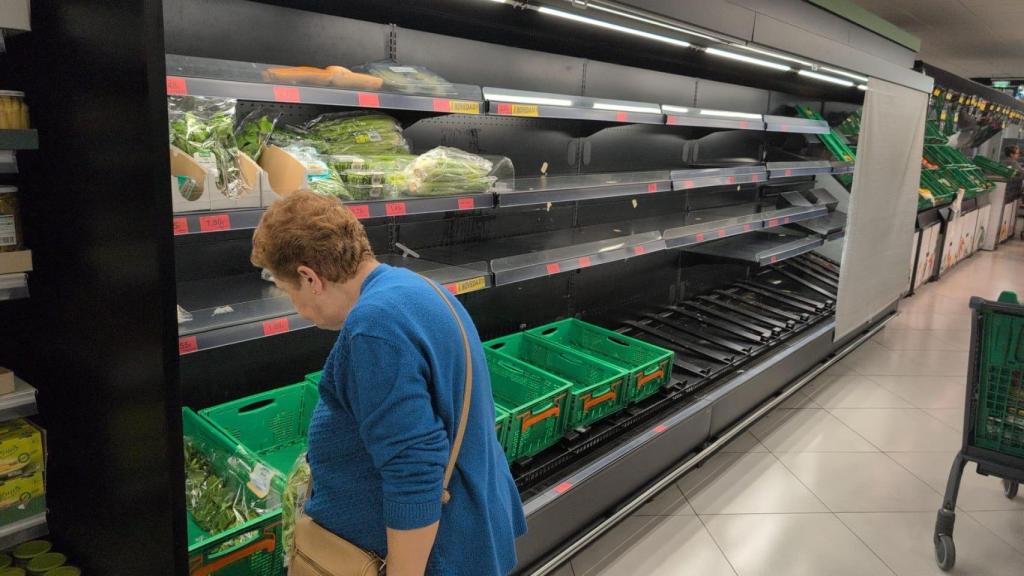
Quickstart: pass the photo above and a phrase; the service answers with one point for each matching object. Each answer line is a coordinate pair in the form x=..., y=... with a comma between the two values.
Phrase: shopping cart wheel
x=1010, y=488
x=945, y=552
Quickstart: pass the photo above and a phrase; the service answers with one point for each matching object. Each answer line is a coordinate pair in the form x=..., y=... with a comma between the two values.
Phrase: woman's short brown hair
x=306, y=229
x=1011, y=150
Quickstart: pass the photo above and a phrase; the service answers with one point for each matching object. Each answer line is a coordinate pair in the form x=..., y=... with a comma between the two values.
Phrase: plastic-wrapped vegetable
x=254, y=131
x=320, y=177
x=204, y=129
x=360, y=133
x=220, y=501
x=446, y=170
x=409, y=79
x=344, y=162
x=296, y=489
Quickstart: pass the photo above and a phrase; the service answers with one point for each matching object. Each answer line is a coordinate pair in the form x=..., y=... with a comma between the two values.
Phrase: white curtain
x=880, y=226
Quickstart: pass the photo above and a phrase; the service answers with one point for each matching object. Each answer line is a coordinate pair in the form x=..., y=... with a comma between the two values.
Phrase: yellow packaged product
x=21, y=449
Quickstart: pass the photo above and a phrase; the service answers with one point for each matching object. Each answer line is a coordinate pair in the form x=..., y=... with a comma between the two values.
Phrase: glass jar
x=13, y=110
x=10, y=220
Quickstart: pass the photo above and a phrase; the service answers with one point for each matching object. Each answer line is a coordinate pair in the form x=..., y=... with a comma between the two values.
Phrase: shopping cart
x=994, y=414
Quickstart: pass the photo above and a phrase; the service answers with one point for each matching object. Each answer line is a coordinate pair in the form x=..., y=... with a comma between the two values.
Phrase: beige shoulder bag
x=319, y=552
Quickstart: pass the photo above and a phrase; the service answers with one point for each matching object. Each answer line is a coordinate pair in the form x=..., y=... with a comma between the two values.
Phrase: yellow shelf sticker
x=506, y=109
x=471, y=285
x=465, y=107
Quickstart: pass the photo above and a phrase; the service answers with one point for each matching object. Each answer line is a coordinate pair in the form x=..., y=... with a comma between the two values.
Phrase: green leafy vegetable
x=254, y=132
x=444, y=170
x=217, y=503
x=296, y=489
x=204, y=129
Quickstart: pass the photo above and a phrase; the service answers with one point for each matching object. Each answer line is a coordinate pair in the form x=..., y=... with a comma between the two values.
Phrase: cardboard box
x=14, y=262
x=6, y=381
x=21, y=449
x=22, y=497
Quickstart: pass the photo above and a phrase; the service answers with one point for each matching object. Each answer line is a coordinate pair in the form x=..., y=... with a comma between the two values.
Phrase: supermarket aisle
x=846, y=477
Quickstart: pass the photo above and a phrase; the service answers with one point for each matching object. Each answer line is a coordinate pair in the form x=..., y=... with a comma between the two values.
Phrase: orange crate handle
x=643, y=380
x=593, y=402
x=538, y=418
x=267, y=544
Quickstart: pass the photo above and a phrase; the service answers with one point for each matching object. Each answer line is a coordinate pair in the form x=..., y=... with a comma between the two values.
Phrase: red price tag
x=554, y=268
x=187, y=345
x=286, y=94
x=622, y=117
x=744, y=124
x=638, y=250
x=395, y=208
x=730, y=179
x=453, y=288
x=660, y=428
x=652, y=187
x=275, y=326
x=746, y=227
x=562, y=488
x=785, y=128
x=177, y=86
x=774, y=259
x=721, y=233
x=789, y=172
x=700, y=236
x=367, y=100
x=755, y=178
x=584, y=262
x=688, y=184
x=504, y=109
x=214, y=223
x=467, y=203
x=360, y=211
x=671, y=120
x=773, y=222
x=785, y=220
x=180, y=226
x=442, y=105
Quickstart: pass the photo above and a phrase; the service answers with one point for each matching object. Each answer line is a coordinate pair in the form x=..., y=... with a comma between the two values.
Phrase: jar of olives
x=13, y=110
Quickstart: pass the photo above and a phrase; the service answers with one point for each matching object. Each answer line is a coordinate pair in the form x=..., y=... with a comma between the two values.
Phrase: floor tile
x=977, y=492
x=927, y=391
x=885, y=362
x=808, y=430
x=952, y=417
x=855, y=391
x=744, y=443
x=799, y=399
x=564, y=570
x=860, y=482
x=669, y=502
x=1007, y=524
x=751, y=483
x=906, y=339
x=904, y=541
x=792, y=545
x=655, y=546
x=900, y=429
x=930, y=321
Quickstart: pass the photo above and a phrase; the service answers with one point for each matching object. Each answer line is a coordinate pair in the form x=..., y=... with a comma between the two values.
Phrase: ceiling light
x=825, y=78
x=624, y=108
x=862, y=87
x=674, y=109
x=748, y=59
x=727, y=114
x=774, y=55
x=610, y=26
x=648, y=21
x=844, y=73
x=528, y=100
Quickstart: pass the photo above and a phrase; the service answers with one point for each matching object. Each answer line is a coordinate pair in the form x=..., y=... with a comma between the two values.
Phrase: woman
x=1012, y=160
x=390, y=400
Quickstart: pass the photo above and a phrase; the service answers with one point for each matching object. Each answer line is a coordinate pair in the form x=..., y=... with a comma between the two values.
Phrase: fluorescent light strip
x=747, y=59
x=825, y=78
x=528, y=100
x=844, y=73
x=774, y=55
x=862, y=87
x=674, y=109
x=610, y=26
x=727, y=114
x=624, y=108
x=648, y=21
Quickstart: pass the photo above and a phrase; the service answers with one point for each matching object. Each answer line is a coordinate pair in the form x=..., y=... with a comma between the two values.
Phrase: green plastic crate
x=314, y=377
x=999, y=423
x=995, y=168
x=537, y=403
x=501, y=419
x=272, y=424
x=251, y=549
x=598, y=388
x=650, y=366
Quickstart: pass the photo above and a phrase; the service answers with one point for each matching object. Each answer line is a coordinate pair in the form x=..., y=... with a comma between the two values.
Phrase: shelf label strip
x=531, y=110
x=361, y=211
x=395, y=209
x=180, y=226
x=466, y=286
x=275, y=326
x=215, y=223
x=187, y=345
x=177, y=86
x=287, y=94
x=467, y=203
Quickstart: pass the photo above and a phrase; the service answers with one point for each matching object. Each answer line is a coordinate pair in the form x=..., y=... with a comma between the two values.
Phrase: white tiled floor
x=846, y=476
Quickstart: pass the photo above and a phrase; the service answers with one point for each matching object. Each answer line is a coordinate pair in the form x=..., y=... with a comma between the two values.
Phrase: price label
x=730, y=179
x=773, y=222
x=652, y=187
x=180, y=226
x=936, y=92
x=554, y=268
x=688, y=184
x=177, y=86
x=744, y=124
x=465, y=107
x=774, y=259
x=660, y=428
x=518, y=110
x=368, y=100
x=671, y=121
x=584, y=262
x=471, y=285
x=467, y=203
x=187, y=345
x=746, y=227
x=214, y=223
x=360, y=211
x=638, y=250
x=395, y=209
x=785, y=220
x=286, y=94
x=562, y=488
x=721, y=233
x=621, y=117
x=700, y=236
x=789, y=172
x=275, y=326
x=755, y=178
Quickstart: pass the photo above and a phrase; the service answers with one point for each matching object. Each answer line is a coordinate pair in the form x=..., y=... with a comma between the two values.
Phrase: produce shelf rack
x=524, y=103
x=797, y=169
x=545, y=189
x=706, y=177
x=796, y=125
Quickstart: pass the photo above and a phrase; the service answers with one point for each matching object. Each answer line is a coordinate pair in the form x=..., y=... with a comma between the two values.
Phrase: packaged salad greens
x=448, y=171
x=254, y=132
x=320, y=177
x=360, y=133
x=296, y=491
x=409, y=79
x=204, y=129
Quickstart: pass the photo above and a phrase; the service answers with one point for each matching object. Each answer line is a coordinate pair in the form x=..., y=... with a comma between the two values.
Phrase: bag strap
x=467, y=396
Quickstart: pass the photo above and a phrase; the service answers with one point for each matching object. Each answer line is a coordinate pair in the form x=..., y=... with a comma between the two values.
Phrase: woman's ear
x=309, y=278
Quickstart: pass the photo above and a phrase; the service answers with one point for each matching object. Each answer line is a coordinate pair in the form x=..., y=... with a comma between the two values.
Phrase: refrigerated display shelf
x=795, y=169
x=545, y=189
x=22, y=531
x=842, y=167
x=19, y=140
x=707, y=225
x=830, y=227
x=712, y=119
x=760, y=247
x=20, y=403
x=524, y=103
x=728, y=176
x=13, y=286
x=795, y=125
x=235, y=309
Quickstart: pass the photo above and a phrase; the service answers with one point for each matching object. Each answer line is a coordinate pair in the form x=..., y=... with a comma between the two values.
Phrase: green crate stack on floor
x=999, y=423
x=598, y=388
x=248, y=548
x=835, y=144
x=649, y=366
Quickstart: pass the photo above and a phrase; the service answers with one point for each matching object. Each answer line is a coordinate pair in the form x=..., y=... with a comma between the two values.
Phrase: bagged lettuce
x=204, y=128
x=444, y=171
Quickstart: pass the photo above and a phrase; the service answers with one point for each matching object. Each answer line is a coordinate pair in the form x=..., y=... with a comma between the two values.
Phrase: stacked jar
x=13, y=110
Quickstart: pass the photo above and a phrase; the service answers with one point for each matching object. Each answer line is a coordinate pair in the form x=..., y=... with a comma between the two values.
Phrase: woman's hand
x=408, y=550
